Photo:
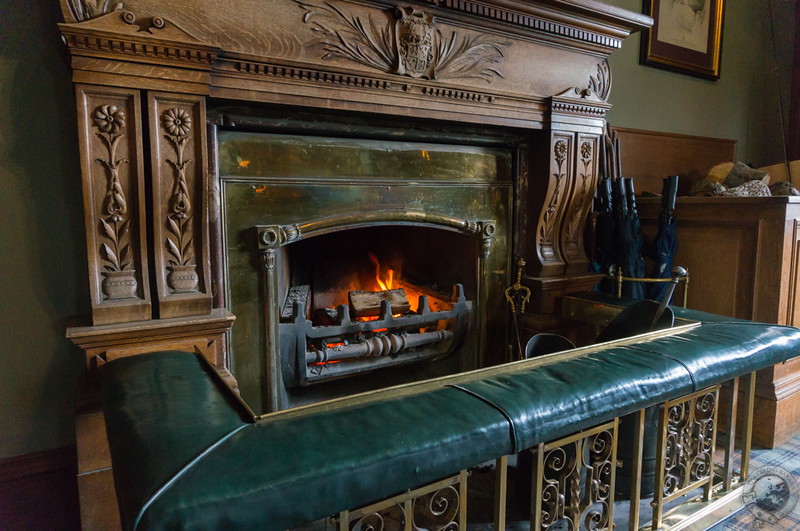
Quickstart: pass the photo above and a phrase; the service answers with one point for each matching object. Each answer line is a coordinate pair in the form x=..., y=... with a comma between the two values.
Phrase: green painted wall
x=743, y=104
x=42, y=247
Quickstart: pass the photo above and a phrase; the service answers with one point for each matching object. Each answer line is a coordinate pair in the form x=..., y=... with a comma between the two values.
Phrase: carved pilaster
x=113, y=192
x=179, y=174
x=579, y=204
x=549, y=259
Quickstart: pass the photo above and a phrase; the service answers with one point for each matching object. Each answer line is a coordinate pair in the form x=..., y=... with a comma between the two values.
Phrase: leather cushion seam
x=511, y=428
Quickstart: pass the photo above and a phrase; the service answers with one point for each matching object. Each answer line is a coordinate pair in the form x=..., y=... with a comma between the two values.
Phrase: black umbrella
x=628, y=239
x=666, y=242
x=637, y=245
x=605, y=241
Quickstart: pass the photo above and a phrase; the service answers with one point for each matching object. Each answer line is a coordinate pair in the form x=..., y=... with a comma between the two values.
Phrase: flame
x=389, y=279
x=425, y=154
x=260, y=189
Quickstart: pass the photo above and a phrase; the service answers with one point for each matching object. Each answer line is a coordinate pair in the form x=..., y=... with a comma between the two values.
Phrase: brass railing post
x=500, y=492
x=658, y=482
x=747, y=436
x=537, y=487
x=730, y=446
x=636, y=471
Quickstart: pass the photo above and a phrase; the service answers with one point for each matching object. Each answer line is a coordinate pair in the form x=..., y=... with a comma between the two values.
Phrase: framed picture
x=686, y=36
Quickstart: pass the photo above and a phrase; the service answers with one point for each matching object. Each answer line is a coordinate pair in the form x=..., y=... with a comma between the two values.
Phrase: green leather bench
x=187, y=455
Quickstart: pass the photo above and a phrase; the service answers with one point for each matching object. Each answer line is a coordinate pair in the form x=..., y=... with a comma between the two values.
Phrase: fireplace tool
x=518, y=296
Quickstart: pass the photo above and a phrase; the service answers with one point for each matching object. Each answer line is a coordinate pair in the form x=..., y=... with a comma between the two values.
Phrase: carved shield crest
x=414, y=34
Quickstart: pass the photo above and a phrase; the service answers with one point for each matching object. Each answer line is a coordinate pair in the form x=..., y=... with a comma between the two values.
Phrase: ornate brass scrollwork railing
x=574, y=480
x=439, y=506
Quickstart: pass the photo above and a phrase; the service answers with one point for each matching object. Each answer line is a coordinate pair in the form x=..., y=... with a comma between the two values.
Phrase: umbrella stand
x=617, y=275
x=677, y=273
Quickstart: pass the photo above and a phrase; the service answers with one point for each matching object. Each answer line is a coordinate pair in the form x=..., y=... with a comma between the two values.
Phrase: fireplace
x=240, y=165
x=378, y=258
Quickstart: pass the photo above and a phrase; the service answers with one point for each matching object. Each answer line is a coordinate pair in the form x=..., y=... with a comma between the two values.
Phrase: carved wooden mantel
x=145, y=72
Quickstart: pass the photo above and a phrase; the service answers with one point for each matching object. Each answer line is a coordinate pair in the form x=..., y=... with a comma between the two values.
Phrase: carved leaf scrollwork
x=412, y=46
x=601, y=84
x=83, y=10
x=114, y=225
x=347, y=36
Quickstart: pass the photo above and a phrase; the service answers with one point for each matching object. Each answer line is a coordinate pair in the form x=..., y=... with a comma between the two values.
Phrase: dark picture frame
x=686, y=36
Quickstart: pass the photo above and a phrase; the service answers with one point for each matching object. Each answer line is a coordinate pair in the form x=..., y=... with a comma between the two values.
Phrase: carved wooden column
x=180, y=209
x=559, y=264
x=579, y=204
x=551, y=260
x=110, y=126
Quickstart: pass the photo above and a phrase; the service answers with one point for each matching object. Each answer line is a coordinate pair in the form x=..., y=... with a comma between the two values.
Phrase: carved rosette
x=182, y=278
x=119, y=277
x=577, y=481
x=413, y=46
x=273, y=236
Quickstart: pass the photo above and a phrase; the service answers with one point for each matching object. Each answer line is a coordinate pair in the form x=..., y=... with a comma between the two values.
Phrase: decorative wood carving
x=412, y=46
x=535, y=18
x=181, y=253
x=499, y=63
x=86, y=9
x=601, y=83
x=579, y=102
x=156, y=53
x=580, y=203
x=548, y=246
x=113, y=192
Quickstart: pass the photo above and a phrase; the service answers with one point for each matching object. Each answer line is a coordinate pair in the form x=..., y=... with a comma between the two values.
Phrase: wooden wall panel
x=743, y=256
x=649, y=156
x=721, y=264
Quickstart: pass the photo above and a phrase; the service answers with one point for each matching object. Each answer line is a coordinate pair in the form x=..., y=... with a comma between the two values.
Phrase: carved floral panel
x=177, y=126
x=113, y=190
x=549, y=225
x=580, y=202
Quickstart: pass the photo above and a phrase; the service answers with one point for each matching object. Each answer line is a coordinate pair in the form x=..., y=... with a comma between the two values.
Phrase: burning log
x=368, y=303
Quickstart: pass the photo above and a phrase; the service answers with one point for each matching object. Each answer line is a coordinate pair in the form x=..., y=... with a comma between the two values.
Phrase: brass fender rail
x=573, y=478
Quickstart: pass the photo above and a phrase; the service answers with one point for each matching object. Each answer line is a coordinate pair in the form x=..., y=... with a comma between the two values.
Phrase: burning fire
x=385, y=283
